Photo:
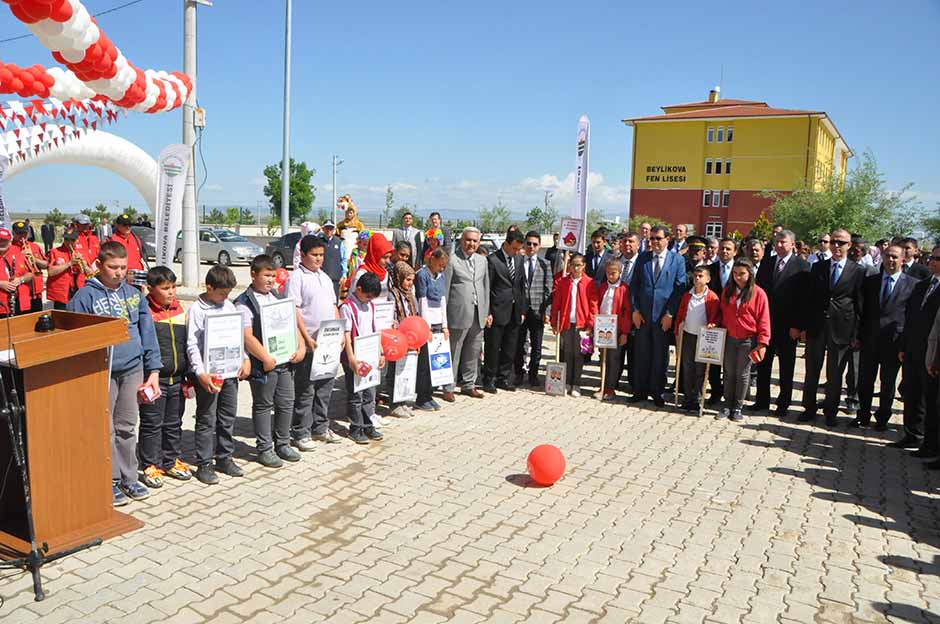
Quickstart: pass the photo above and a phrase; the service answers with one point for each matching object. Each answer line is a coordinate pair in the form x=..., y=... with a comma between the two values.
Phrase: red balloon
x=394, y=345
x=546, y=464
x=416, y=330
x=62, y=12
x=281, y=276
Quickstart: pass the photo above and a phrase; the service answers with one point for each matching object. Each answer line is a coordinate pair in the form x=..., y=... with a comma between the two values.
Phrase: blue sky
x=458, y=105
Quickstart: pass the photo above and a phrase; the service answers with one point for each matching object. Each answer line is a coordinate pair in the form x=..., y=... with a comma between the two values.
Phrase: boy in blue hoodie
x=135, y=364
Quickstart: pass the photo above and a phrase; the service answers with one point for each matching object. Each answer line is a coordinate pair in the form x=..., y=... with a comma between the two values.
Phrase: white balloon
x=72, y=55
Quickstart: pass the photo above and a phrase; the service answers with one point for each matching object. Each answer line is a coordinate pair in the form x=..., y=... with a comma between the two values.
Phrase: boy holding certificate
x=272, y=340
x=216, y=395
x=312, y=290
x=359, y=313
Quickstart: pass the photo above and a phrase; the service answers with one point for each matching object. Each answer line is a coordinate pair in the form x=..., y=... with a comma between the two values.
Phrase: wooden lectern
x=64, y=388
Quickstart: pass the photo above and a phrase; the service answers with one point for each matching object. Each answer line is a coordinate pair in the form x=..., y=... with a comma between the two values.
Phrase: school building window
x=721, y=134
x=708, y=166
x=725, y=198
x=706, y=198
x=730, y=134
x=713, y=229
x=711, y=135
x=727, y=167
x=718, y=167
x=716, y=198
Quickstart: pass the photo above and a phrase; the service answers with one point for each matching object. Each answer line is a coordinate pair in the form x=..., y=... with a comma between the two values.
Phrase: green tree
x=274, y=224
x=595, y=219
x=636, y=220
x=130, y=211
x=457, y=225
x=323, y=215
x=389, y=205
x=863, y=206
x=763, y=228
x=302, y=193
x=97, y=214
x=233, y=216
x=931, y=225
x=495, y=219
x=216, y=217
x=56, y=218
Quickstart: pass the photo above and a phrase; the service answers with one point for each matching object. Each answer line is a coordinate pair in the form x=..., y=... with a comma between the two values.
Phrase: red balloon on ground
x=416, y=330
x=546, y=464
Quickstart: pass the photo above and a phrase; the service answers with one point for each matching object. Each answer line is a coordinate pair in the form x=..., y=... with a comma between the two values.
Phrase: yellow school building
x=706, y=163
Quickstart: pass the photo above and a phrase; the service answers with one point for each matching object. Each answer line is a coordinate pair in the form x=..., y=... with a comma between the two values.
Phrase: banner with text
x=172, y=166
x=579, y=210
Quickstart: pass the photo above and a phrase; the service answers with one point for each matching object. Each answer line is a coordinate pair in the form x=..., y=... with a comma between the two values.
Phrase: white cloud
x=464, y=185
x=403, y=186
x=610, y=197
x=213, y=188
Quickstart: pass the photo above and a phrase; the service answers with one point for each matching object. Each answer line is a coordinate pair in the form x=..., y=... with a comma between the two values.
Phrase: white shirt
x=814, y=257
x=695, y=315
x=313, y=293
x=261, y=299
x=607, y=303
x=573, y=313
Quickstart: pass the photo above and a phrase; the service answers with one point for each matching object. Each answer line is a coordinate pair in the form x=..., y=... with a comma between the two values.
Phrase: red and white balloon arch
x=96, y=67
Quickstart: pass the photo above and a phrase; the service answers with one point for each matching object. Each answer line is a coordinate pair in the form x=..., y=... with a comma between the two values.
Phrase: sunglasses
x=657, y=238
x=840, y=243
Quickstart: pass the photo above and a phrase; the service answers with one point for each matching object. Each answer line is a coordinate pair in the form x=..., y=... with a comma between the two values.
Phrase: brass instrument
x=30, y=258
x=79, y=259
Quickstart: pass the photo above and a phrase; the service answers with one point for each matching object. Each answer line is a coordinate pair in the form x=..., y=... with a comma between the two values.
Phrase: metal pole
x=190, y=218
x=334, y=188
x=285, y=161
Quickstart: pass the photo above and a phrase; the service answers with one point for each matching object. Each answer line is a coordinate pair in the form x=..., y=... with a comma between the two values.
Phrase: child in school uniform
x=403, y=294
x=698, y=308
x=161, y=421
x=359, y=313
x=315, y=297
x=272, y=384
x=215, y=404
x=573, y=310
x=432, y=304
x=135, y=364
x=745, y=313
x=612, y=296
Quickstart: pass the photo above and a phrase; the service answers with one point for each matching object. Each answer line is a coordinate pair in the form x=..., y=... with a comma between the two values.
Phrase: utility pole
x=285, y=161
x=190, y=225
x=337, y=161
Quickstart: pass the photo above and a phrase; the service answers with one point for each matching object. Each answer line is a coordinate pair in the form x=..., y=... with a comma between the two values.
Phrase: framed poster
x=442, y=370
x=710, y=348
x=406, y=377
x=555, y=374
x=223, y=344
x=368, y=349
x=569, y=237
x=605, y=331
x=329, y=349
x=384, y=314
x=279, y=329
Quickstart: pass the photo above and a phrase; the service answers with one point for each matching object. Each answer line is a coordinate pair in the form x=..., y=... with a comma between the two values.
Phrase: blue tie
x=886, y=290
x=836, y=273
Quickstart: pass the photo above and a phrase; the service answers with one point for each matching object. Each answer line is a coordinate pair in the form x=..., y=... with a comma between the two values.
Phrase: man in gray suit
x=411, y=235
x=467, y=284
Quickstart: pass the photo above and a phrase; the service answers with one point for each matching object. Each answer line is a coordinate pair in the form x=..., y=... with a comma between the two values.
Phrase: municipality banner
x=172, y=166
x=579, y=210
x=4, y=213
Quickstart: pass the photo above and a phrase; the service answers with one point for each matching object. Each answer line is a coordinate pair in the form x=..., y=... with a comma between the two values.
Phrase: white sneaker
x=378, y=422
x=575, y=391
x=401, y=411
x=303, y=444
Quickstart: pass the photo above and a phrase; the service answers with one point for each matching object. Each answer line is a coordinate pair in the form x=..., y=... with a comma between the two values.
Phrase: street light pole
x=285, y=161
x=190, y=220
x=336, y=163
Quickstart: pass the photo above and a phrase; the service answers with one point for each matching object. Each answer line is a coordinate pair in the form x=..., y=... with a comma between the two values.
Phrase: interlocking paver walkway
x=661, y=517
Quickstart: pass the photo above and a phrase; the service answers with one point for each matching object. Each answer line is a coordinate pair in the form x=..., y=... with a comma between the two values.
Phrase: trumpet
x=30, y=258
x=79, y=259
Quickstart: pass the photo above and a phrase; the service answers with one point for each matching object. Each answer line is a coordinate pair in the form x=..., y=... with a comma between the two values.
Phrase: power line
x=105, y=12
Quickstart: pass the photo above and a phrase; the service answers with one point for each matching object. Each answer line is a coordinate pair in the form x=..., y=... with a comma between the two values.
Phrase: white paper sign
x=710, y=348
x=368, y=349
x=605, y=331
x=279, y=329
x=442, y=370
x=384, y=314
x=555, y=379
x=406, y=377
x=326, y=356
x=223, y=344
x=569, y=237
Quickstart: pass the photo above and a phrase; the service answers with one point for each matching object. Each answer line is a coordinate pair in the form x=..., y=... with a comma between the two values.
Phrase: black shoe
x=489, y=389
x=658, y=402
x=508, y=387
x=907, y=442
x=806, y=417
x=534, y=381
x=831, y=420
x=228, y=467
x=374, y=434
x=358, y=437
x=206, y=474
x=925, y=453
x=759, y=407
x=636, y=398
x=781, y=412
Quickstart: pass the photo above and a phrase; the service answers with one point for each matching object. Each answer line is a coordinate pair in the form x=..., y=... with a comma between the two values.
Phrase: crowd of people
x=865, y=313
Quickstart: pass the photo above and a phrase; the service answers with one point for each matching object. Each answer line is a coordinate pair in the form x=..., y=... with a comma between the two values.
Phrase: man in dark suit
x=720, y=273
x=911, y=267
x=507, y=306
x=884, y=302
x=829, y=324
x=921, y=415
x=784, y=277
x=597, y=255
x=657, y=286
x=408, y=233
x=47, y=231
x=537, y=278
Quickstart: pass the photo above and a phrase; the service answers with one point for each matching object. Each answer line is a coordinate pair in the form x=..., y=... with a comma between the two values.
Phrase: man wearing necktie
x=538, y=298
x=507, y=307
x=829, y=323
x=597, y=256
x=920, y=389
x=884, y=305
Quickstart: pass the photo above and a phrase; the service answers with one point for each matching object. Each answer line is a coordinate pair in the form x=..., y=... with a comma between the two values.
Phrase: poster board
x=555, y=374
x=442, y=370
x=279, y=329
x=406, y=378
x=569, y=236
x=384, y=314
x=605, y=331
x=710, y=348
x=326, y=356
x=223, y=344
x=368, y=349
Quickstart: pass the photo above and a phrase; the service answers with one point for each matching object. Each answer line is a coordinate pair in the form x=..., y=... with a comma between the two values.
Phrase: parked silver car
x=220, y=246
x=148, y=238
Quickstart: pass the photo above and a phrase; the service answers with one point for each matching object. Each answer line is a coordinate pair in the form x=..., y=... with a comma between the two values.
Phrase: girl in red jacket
x=613, y=297
x=746, y=316
x=572, y=311
x=699, y=308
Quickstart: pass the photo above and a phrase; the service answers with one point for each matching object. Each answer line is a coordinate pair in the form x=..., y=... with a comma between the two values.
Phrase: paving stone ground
x=661, y=517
